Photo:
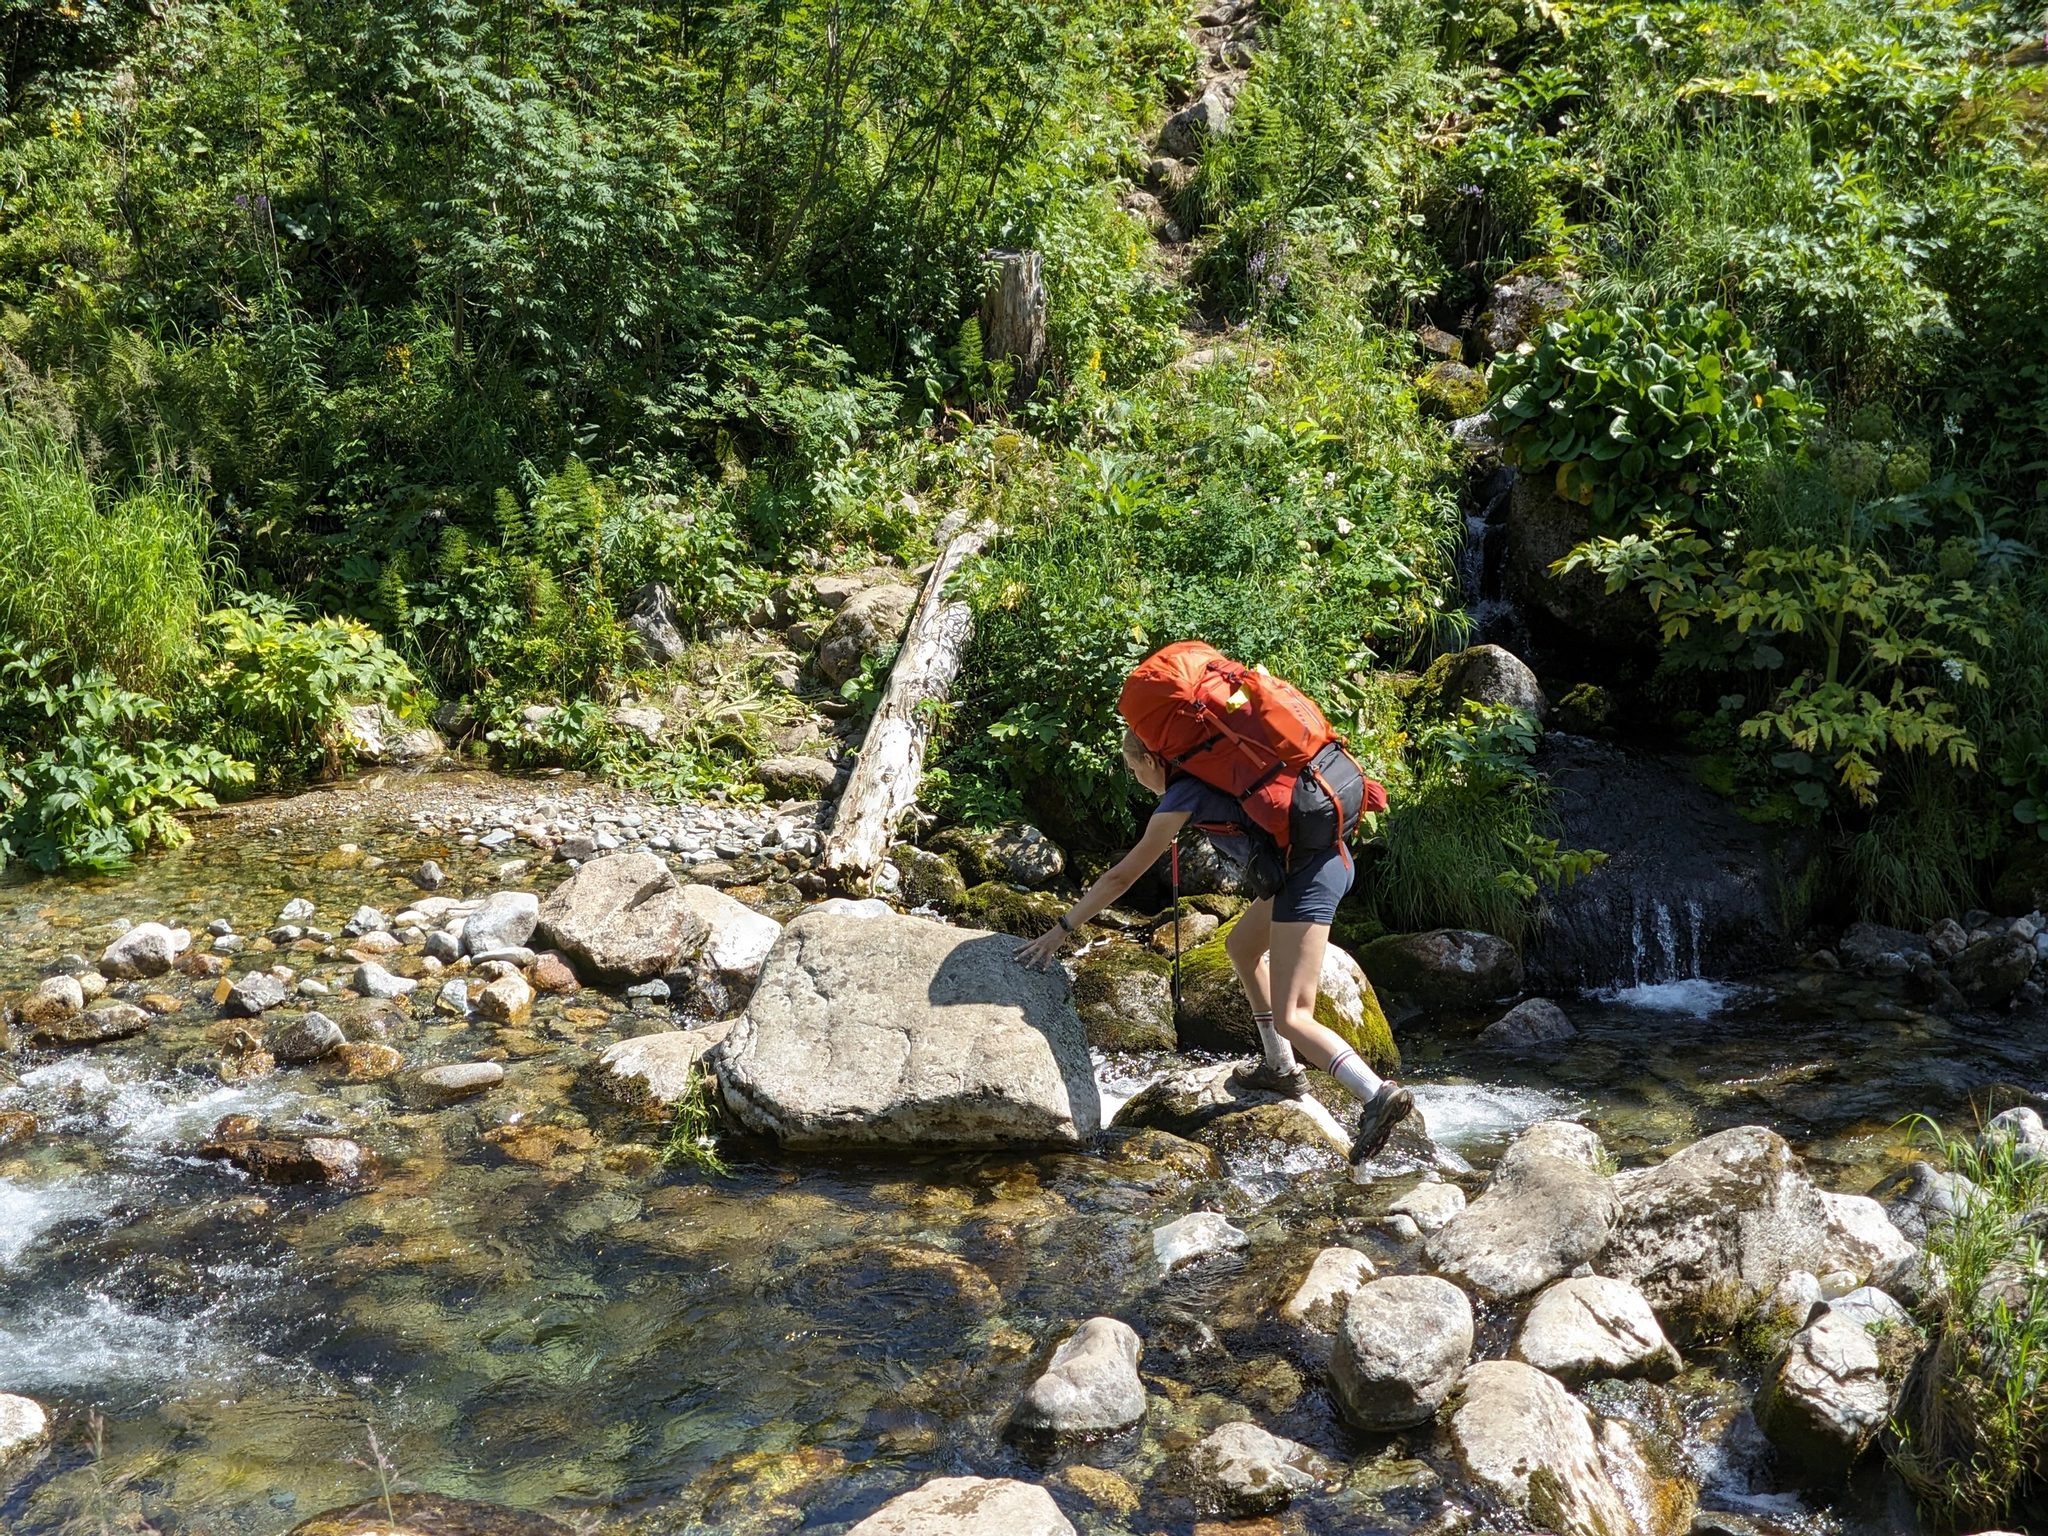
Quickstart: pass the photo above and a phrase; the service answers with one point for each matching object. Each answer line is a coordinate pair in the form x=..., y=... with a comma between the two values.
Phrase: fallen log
x=891, y=762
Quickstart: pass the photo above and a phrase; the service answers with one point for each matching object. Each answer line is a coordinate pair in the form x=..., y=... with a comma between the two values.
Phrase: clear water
x=531, y=1309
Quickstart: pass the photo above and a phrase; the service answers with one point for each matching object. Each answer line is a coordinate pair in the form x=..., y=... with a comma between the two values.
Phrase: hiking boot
x=1263, y=1077
x=1377, y=1118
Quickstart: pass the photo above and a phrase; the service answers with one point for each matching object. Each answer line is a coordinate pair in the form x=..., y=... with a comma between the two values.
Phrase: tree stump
x=1013, y=318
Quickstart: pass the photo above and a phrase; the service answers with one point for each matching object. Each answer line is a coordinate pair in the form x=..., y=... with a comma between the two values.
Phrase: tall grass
x=114, y=582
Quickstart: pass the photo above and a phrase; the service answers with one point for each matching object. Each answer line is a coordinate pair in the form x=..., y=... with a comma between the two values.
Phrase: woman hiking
x=1251, y=762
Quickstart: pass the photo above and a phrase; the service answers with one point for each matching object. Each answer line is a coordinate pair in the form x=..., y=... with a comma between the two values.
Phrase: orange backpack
x=1246, y=732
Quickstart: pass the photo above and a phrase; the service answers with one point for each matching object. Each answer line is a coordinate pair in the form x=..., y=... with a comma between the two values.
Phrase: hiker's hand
x=1041, y=951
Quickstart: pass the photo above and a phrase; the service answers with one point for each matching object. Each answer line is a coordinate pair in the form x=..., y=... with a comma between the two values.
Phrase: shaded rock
x=1518, y=307
x=651, y=616
x=1004, y=908
x=1091, y=1386
x=799, y=777
x=1688, y=888
x=1444, y=968
x=725, y=943
x=372, y=980
x=1195, y=928
x=1320, y=1301
x=314, y=1160
x=968, y=1506
x=1124, y=996
x=1241, y=1469
x=891, y=1030
x=1715, y=1227
x=1216, y=1017
x=460, y=1079
x=928, y=879
x=506, y=920
x=1827, y=1397
x=507, y=1000
x=867, y=621
x=255, y=992
x=658, y=1069
x=96, y=1026
x=1402, y=1344
x=1946, y=939
x=376, y=736
x=1536, y=1021
x=1587, y=1327
x=1191, y=1238
x=1161, y=1151
x=307, y=1038
x=1893, y=951
x=1542, y=530
x=429, y=1514
x=1192, y=1100
x=147, y=949
x=1483, y=674
x=1991, y=970
x=24, y=1427
x=1017, y=853
x=1520, y=1435
x=1546, y=1210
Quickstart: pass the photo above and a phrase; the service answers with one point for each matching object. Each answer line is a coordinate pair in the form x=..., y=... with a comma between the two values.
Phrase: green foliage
x=105, y=581
x=79, y=786
x=693, y=1129
x=1642, y=414
x=1971, y=1427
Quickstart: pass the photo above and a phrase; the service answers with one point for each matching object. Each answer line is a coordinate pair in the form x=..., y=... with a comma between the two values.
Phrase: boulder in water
x=1444, y=968
x=1216, y=1017
x=1921, y=1198
x=658, y=1069
x=1319, y=1302
x=1587, y=1327
x=1520, y=1435
x=255, y=992
x=505, y=921
x=147, y=949
x=1091, y=1386
x=1537, y=1021
x=1242, y=1470
x=1991, y=970
x=307, y=1038
x=24, y=1427
x=1192, y=1238
x=968, y=1506
x=1403, y=1342
x=723, y=948
x=96, y=1026
x=1547, y=1209
x=429, y=1514
x=898, y=1031
x=1827, y=1396
x=1124, y=995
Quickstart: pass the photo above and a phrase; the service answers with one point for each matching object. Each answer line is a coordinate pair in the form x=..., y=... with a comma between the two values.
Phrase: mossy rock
x=2022, y=886
x=929, y=879
x=1124, y=995
x=1007, y=909
x=1444, y=968
x=1214, y=1015
x=1218, y=904
x=1279, y=1135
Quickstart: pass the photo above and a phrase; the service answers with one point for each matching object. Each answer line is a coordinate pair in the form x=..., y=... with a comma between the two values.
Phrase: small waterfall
x=1480, y=563
x=1654, y=956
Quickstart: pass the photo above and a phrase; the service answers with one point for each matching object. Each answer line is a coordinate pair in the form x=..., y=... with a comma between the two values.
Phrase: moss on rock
x=1124, y=995
x=929, y=879
x=1216, y=1017
x=1006, y=909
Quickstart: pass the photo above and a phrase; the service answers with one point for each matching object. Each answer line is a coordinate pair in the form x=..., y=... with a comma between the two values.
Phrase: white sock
x=1355, y=1077
x=1279, y=1054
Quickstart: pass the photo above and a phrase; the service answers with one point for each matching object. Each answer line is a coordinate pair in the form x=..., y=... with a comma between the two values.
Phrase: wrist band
x=1062, y=921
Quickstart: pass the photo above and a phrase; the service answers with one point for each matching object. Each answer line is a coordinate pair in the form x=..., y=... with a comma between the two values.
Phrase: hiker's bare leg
x=1296, y=970
x=1247, y=946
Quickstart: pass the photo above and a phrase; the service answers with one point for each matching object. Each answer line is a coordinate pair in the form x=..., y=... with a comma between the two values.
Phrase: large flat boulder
x=1443, y=968
x=879, y=1030
x=968, y=1506
x=1547, y=1209
x=1589, y=1326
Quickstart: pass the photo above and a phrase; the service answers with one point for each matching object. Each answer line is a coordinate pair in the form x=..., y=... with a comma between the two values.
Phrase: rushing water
x=532, y=1309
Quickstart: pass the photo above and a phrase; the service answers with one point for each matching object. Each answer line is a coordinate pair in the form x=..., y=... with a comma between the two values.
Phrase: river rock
x=507, y=1000
x=1860, y=1240
x=1124, y=996
x=147, y=949
x=333, y=1160
x=372, y=980
x=622, y=918
x=1588, y=1327
x=1400, y=1349
x=1444, y=968
x=506, y=920
x=1017, y=853
x=968, y=1506
x=1484, y=674
x=1189, y=1239
x=797, y=776
x=16, y=1125
x=24, y=1427
x=1320, y=1301
x=55, y=997
x=307, y=1038
x=461, y=1079
x=376, y=737
x=658, y=1069
x=255, y=992
x=1717, y=1225
x=1827, y=1396
x=1874, y=947
x=1216, y=1017
x=1871, y=1309
x=429, y=1514
x=898, y=1031
x=1921, y=1198
x=724, y=945
x=1991, y=970
x=551, y=972
x=869, y=620
x=1519, y=1434
x=2022, y=1128
x=1430, y=1206
x=1535, y=1021
x=927, y=878
x=1091, y=1386
x=1546, y=1210
x=365, y=1061
x=96, y=1026
x=1241, y=1470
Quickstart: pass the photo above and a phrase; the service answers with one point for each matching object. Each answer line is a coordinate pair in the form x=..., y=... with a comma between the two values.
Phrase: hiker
x=1250, y=761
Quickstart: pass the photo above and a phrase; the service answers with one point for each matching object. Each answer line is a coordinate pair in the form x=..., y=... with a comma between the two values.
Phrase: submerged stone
x=429, y=1514
x=1091, y=1385
x=968, y=1506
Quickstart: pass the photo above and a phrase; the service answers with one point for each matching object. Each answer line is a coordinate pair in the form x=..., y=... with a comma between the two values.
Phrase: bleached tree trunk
x=1013, y=318
x=891, y=763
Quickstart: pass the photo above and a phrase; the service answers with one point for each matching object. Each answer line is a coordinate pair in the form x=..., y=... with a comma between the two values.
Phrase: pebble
x=250, y=996
x=508, y=1000
x=372, y=980
x=453, y=998
x=297, y=910
x=460, y=1079
x=366, y=1061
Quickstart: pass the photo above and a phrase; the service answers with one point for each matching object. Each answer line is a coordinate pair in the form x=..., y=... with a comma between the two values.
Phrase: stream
x=532, y=1308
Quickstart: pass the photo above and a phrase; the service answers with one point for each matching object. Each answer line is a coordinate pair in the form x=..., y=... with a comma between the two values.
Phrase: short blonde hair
x=1135, y=749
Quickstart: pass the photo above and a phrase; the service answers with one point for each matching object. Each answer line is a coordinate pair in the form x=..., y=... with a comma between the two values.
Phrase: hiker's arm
x=1160, y=832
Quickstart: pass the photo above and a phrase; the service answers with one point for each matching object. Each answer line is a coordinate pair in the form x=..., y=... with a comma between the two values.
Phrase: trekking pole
x=1175, y=866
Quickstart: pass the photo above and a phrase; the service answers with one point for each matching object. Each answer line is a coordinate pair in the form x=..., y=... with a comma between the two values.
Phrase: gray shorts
x=1314, y=887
